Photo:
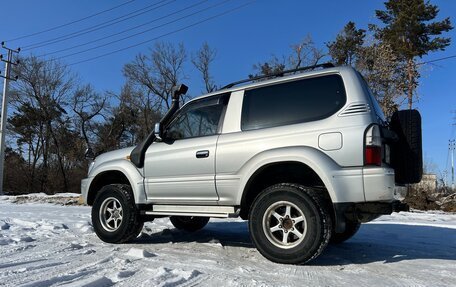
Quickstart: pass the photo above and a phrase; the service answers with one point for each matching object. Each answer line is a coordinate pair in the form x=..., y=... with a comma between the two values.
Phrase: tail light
x=373, y=146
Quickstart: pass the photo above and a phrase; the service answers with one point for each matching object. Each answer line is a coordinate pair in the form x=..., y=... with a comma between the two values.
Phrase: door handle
x=202, y=154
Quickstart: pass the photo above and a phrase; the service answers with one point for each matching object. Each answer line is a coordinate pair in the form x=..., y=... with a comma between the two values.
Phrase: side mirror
x=157, y=131
x=89, y=154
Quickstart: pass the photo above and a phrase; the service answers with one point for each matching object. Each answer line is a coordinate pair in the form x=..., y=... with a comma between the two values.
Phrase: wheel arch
x=278, y=172
x=116, y=173
x=312, y=160
x=102, y=179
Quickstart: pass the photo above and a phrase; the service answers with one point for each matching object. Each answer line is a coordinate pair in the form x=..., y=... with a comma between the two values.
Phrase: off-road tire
x=189, y=223
x=351, y=227
x=130, y=226
x=406, y=152
x=311, y=203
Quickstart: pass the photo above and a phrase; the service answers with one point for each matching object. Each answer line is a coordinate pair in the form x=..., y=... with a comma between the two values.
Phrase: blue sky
x=242, y=38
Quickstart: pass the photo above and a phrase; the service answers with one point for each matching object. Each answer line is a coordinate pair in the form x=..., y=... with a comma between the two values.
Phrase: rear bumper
x=362, y=184
x=378, y=183
x=365, y=211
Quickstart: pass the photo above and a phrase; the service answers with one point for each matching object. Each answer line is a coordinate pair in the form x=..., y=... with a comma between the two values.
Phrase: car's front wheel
x=115, y=216
x=290, y=223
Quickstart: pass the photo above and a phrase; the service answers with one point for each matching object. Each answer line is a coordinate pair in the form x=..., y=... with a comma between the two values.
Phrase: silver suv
x=305, y=157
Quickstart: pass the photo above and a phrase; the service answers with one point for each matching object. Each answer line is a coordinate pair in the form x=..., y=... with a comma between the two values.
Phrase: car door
x=181, y=168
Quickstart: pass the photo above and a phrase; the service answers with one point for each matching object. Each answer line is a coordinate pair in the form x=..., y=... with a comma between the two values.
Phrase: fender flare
x=133, y=175
x=316, y=160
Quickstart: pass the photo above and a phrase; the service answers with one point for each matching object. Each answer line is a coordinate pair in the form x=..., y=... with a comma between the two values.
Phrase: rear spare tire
x=406, y=152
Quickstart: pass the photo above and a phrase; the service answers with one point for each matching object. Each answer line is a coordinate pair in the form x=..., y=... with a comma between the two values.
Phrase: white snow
x=50, y=245
x=139, y=253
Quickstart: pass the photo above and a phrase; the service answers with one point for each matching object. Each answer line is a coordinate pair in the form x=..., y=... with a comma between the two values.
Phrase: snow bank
x=59, y=198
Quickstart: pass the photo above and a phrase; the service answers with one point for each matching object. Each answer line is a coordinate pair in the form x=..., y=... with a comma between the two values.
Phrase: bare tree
x=158, y=72
x=202, y=60
x=384, y=73
x=273, y=66
x=305, y=53
x=87, y=104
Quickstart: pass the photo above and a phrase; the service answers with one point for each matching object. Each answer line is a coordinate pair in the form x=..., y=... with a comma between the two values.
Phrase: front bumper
x=364, y=211
x=85, y=188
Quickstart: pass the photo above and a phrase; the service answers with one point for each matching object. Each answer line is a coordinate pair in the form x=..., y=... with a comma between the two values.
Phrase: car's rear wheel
x=115, y=217
x=189, y=223
x=351, y=227
x=290, y=223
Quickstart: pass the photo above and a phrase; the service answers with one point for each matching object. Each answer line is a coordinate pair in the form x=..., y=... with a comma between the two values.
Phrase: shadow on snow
x=392, y=243
x=373, y=243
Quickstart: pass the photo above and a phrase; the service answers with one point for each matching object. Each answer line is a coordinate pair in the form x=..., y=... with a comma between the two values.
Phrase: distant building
x=428, y=183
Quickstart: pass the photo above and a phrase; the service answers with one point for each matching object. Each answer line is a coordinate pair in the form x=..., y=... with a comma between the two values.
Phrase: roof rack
x=279, y=74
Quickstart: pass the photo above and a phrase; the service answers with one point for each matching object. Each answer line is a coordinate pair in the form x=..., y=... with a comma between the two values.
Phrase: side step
x=194, y=210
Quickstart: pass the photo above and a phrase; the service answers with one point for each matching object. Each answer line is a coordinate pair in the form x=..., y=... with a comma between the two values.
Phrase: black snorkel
x=137, y=155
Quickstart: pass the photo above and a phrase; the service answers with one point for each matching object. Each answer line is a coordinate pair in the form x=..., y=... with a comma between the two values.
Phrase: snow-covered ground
x=44, y=244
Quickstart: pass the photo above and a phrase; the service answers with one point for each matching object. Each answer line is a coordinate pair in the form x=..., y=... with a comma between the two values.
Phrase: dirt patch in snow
x=422, y=199
x=60, y=199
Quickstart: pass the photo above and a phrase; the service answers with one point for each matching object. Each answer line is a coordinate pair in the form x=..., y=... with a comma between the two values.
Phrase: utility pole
x=4, y=112
x=452, y=147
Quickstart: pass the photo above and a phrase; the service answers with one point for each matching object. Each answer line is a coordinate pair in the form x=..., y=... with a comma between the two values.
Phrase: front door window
x=200, y=118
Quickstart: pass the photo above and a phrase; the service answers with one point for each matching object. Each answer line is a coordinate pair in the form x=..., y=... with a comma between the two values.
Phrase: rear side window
x=293, y=102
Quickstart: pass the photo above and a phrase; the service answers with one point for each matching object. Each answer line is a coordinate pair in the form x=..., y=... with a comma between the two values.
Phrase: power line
x=70, y=23
x=436, y=60
x=142, y=32
x=163, y=35
x=99, y=26
x=124, y=31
